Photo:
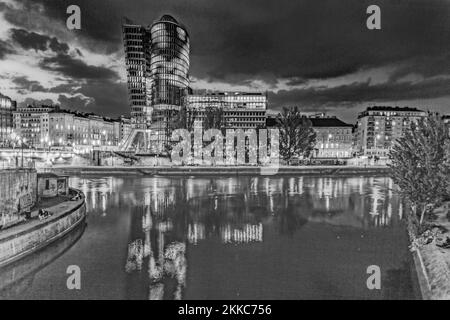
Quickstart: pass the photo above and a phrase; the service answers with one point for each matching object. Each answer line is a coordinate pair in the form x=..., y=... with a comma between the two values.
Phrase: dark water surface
x=226, y=238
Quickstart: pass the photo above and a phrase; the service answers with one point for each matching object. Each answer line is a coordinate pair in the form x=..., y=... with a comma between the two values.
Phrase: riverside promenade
x=221, y=170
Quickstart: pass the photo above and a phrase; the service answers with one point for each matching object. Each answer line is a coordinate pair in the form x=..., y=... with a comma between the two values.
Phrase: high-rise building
x=239, y=110
x=380, y=126
x=157, y=62
x=7, y=106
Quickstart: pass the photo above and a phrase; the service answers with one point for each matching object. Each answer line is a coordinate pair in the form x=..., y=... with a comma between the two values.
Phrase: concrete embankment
x=225, y=171
x=21, y=240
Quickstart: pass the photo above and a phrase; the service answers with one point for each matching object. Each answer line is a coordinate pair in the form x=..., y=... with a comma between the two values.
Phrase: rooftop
x=390, y=108
x=329, y=122
x=168, y=18
x=228, y=93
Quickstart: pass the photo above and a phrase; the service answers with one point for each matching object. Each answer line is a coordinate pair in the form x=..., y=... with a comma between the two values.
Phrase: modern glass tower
x=157, y=62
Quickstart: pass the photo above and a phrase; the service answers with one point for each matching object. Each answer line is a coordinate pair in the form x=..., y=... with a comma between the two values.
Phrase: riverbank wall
x=17, y=193
x=225, y=171
x=21, y=240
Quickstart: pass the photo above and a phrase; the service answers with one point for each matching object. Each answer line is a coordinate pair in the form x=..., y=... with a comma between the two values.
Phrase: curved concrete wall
x=23, y=240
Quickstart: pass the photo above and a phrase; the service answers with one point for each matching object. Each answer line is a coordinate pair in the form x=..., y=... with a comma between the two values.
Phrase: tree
x=213, y=118
x=297, y=137
x=420, y=164
x=183, y=119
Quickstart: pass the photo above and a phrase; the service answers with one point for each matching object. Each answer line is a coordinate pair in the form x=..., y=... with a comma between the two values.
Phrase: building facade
x=378, y=127
x=157, y=62
x=47, y=127
x=31, y=125
x=7, y=107
x=125, y=128
x=238, y=110
x=334, y=138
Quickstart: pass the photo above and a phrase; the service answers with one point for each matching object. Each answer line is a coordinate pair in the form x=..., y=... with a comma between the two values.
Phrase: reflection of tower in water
x=156, y=246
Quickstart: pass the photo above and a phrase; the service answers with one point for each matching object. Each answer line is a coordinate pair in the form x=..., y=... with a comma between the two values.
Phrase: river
x=226, y=238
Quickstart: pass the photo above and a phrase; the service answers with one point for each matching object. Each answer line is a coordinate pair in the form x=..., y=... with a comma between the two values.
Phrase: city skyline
x=236, y=47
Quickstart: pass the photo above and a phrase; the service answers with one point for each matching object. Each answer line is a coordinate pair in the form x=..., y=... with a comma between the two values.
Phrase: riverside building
x=7, y=106
x=378, y=127
x=46, y=127
x=334, y=138
x=238, y=110
x=157, y=64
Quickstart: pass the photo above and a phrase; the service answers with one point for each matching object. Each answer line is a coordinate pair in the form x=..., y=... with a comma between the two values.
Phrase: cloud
x=77, y=102
x=317, y=54
x=24, y=85
x=5, y=49
x=350, y=94
x=33, y=40
x=75, y=68
x=36, y=102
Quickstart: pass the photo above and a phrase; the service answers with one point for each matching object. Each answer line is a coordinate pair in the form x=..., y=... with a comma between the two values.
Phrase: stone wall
x=18, y=189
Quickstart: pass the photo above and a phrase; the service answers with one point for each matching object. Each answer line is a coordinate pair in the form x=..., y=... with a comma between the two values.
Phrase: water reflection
x=18, y=277
x=170, y=217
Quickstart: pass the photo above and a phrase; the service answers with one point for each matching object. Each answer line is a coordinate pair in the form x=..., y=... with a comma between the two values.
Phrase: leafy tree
x=420, y=164
x=297, y=137
x=213, y=118
x=183, y=119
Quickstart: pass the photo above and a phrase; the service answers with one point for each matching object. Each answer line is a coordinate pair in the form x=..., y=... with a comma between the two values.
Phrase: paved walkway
x=57, y=210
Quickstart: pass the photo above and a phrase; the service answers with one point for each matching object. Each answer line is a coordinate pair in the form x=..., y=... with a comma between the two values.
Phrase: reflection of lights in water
x=147, y=198
x=248, y=233
x=375, y=197
x=93, y=200
x=300, y=185
x=196, y=232
x=266, y=186
x=104, y=203
x=164, y=226
x=389, y=211
x=147, y=220
x=292, y=186
x=361, y=185
x=271, y=204
x=190, y=188
x=255, y=185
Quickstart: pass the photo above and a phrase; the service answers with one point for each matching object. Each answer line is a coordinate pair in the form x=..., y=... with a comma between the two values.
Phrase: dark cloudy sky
x=317, y=54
